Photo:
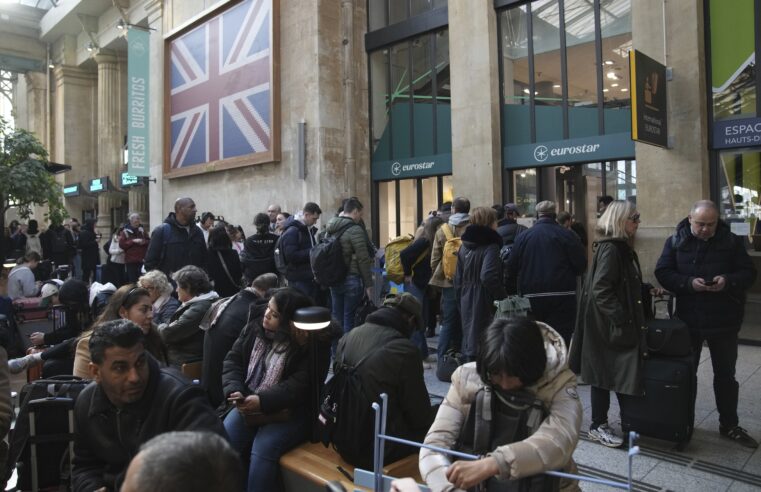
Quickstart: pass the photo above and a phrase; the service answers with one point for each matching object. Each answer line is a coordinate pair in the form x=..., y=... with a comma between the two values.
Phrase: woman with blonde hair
x=158, y=287
x=606, y=343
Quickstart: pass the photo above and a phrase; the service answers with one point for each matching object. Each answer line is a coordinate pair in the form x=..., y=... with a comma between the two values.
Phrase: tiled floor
x=708, y=463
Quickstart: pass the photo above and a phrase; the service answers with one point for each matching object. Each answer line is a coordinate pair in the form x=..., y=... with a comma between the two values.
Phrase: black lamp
x=312, y=319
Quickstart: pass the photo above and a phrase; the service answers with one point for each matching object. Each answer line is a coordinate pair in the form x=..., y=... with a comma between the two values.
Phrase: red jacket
x=134, y=252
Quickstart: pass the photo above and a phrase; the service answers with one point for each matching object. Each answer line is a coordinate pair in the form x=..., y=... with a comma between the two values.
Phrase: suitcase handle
x=51, y=401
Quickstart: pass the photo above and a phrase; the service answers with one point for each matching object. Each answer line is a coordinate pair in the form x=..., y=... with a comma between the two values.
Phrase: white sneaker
x=605, y=436
x=16, y=366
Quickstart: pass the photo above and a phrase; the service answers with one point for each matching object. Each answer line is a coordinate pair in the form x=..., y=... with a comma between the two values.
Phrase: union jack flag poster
x=222, y=91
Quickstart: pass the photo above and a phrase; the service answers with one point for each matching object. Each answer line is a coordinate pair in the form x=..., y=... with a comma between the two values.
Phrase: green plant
x=24, y=179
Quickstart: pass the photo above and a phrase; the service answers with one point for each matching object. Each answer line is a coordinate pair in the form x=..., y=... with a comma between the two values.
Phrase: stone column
x=109, y=134
x=476, y=156
x=663, y=200
x=138, y=202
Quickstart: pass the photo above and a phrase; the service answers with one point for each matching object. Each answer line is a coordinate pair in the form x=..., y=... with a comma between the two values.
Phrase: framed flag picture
x=222, y=86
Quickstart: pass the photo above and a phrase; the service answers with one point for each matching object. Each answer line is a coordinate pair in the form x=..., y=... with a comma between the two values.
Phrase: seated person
x=158, y=286
x=131, y=303
x=393, y=367
x=183, y=336
x=75, y=316
x=130, y=401
x=268, y=375
x=21, y=281
x=186, y=461
x=223, y=324
x=514, y=354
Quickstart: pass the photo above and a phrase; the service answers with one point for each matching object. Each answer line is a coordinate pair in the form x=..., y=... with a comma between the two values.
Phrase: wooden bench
x=310, y=466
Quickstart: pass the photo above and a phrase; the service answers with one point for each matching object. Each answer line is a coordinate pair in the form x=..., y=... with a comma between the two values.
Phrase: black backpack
x=58, y=244
x=499, y=418
x=327, y=259
x=346, y=415
x=280, y=262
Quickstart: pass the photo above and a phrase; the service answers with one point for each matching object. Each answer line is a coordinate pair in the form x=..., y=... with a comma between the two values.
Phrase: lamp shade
x=311, y=318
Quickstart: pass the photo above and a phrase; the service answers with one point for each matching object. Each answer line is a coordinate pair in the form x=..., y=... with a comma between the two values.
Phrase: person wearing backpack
x=33, y=238
x=347, y=294
x=386, y=361
x=293, y=247
x=58, y=244
x=518, y=358
x=258, y=255
x=451, y=331
x=178, y=242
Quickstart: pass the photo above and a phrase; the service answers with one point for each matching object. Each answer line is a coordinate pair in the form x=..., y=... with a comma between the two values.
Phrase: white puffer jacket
x=549, y=448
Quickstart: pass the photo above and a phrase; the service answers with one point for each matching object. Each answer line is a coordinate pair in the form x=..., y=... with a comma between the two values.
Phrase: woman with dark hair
x=128, y=302
x=258, y=255
x=282, y=217
x=88, y=245
x=223, y=262
x=267, y=376
x=478, y=278
x=515, y=354
x=236, y=237
x=183, y=336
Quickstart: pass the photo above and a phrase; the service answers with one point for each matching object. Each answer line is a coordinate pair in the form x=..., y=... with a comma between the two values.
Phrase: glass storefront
x=410, y=120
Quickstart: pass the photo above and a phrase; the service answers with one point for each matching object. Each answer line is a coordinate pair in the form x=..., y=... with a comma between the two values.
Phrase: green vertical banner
x=732, y=41
x=138, y=62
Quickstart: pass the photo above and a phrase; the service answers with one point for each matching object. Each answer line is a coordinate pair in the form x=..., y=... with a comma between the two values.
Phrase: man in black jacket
x=130, y=401
x=709, y=270
x=509, y=228
x=546, y=259
x=178, y=242
x=296, y=242
x=393, y=367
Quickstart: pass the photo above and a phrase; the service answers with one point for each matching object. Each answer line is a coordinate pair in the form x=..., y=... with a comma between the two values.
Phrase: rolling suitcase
x=29, y=309
x=42, y=440
x=667, y=411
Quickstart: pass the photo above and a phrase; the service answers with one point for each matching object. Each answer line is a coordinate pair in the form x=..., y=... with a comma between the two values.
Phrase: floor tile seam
x=638, y=484
x=717, y=484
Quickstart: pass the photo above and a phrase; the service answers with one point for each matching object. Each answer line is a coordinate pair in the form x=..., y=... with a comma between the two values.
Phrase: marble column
x=138, y=202
x=110, y=135
x=157, y=211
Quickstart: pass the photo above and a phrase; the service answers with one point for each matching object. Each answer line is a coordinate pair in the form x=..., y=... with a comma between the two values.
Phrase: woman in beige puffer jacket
x=550, y=448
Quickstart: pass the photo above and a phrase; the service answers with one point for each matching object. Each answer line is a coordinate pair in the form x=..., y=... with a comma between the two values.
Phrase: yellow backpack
x=449, y=254
x=394, y=269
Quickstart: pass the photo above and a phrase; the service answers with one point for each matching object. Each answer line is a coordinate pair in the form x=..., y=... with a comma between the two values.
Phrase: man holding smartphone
x=709, y=270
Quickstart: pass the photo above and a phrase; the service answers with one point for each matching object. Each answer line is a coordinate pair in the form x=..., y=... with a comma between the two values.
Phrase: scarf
x=265, y=366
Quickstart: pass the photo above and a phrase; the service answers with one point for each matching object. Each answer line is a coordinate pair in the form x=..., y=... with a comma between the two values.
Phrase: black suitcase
x=667, y=411
x=41, y=442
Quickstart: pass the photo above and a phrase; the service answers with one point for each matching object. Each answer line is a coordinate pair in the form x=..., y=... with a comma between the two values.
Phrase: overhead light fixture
x=608, y=62
x=614, y=85
x=605, y=90
x=526, y=91
x=624, y=89
x=121, y=25
x=91, y=46
x=556, y=86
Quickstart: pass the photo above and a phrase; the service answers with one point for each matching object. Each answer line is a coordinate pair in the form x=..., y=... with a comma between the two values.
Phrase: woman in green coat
x=606, y=343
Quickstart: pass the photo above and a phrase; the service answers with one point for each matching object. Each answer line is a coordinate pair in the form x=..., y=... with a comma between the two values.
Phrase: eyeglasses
x=635, y=217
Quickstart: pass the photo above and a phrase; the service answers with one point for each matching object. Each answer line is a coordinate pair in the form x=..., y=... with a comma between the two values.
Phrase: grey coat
x=605, y=348
x=182, y=336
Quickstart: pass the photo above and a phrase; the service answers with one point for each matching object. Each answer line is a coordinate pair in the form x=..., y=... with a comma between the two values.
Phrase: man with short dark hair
x=207, y=222
x=392, y=365
x=709, y=270
x=178, y=241
x=130, y=401
x=545, y=260
x=296, y=242
x=185, y=462
x=272, y=212
x=509, y=228
x=356, y=254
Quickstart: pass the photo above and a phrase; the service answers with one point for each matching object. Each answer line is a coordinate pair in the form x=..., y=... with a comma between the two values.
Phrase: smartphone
x=236, y=399
x=709, y=282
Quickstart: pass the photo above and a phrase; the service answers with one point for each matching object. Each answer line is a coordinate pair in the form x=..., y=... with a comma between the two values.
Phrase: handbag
x=227, y=272
x=668, y=337
x=512, y=306
x=364, y=309
x=447, y=364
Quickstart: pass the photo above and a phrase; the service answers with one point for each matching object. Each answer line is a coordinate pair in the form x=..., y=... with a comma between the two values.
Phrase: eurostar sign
x=572, y=151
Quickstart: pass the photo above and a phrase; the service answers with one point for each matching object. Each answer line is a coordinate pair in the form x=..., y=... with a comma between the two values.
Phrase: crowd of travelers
x=200, y=295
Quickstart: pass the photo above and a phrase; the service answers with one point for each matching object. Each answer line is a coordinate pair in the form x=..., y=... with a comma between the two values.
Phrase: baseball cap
x=408, y=304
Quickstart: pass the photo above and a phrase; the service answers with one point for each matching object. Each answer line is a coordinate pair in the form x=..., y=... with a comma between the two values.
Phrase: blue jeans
x=306, y=287
x=418, y=337
x=262, y=447
x=451, y=326
x=346, y=297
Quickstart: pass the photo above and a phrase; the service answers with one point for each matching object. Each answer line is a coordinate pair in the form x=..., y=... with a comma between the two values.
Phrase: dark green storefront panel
x=415, y=167
x=572, y=151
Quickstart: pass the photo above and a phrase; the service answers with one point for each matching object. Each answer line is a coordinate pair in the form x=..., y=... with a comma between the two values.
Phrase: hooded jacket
x=478, y=283
x=183, y=336
x=355, y=246
x=606, y=341
x=394, y=368
x=549, y=448
x=297, y=242
x=686, y=257
x=108, y=437
x=458, y=222
x=258, y=256
x=183, y=246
